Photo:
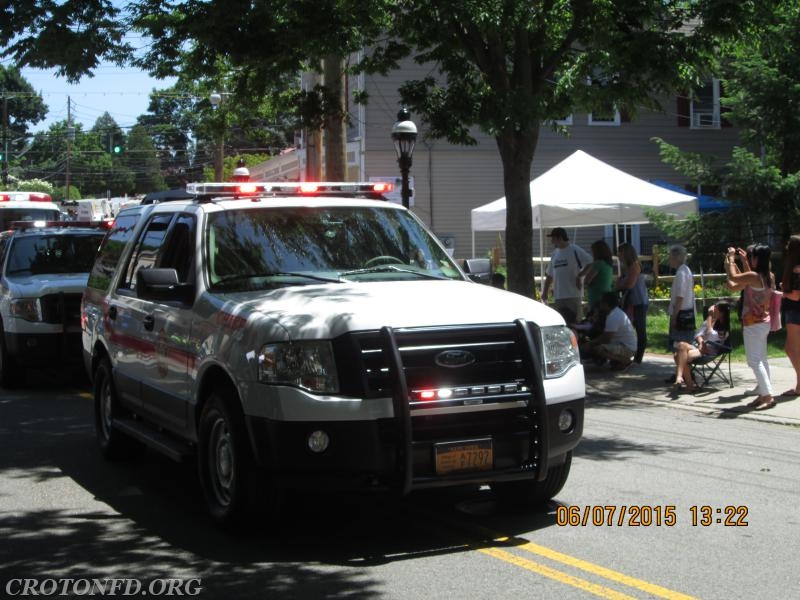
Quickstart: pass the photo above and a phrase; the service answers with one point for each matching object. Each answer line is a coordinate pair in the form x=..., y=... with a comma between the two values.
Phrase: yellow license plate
x=463, y=456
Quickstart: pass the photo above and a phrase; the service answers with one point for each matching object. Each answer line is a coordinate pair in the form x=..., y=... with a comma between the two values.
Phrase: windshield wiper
x=241, y=276
x=390, y=269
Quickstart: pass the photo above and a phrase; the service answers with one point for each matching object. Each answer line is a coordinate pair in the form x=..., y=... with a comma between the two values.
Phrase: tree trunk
x=335, y=132
x=517, y=149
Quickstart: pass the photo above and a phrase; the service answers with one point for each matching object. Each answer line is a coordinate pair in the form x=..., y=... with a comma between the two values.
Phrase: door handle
x=149, y=322
x=112, y=312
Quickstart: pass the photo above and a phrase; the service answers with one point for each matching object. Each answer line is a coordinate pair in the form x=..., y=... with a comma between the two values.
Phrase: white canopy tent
x=583, y=191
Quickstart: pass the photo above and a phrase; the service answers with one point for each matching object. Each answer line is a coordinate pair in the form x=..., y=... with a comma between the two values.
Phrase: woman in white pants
x=758, y=285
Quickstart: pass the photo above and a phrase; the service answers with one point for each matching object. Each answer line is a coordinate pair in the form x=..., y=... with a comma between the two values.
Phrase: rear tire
x=233, y=485
x=529, y=492
x=113, y=443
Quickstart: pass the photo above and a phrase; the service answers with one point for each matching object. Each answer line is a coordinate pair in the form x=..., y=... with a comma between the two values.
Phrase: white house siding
x=451, y=180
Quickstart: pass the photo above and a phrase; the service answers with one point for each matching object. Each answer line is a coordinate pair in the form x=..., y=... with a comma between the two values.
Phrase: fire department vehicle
x=44, y=266
x=307, y=336
x=26, y=206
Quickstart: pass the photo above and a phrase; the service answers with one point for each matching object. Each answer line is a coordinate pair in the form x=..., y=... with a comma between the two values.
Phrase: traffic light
x=117, y=149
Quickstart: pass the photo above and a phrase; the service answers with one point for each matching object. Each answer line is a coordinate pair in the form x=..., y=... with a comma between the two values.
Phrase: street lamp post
x=404, y=135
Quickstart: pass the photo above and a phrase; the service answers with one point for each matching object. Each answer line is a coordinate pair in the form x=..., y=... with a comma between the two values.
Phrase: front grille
x=492, y=370
x=61, y=308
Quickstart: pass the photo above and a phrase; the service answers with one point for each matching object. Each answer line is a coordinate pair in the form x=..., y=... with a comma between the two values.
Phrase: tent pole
x=541, y=262
x=473, y=243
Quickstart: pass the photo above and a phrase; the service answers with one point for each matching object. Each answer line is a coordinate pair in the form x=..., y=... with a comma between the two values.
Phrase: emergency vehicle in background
x=27, y=206
x=93, y=209
x=44, y=266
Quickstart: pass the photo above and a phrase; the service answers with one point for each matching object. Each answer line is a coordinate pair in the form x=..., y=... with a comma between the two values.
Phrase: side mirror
x=162, y=285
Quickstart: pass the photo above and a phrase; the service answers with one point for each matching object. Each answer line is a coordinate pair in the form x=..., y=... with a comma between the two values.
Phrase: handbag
x=775, y=311
x=685, y=320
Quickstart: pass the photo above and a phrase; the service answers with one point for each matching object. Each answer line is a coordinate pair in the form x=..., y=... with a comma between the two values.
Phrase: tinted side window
x=110, y=251
x=146, y=250
x=178, y=250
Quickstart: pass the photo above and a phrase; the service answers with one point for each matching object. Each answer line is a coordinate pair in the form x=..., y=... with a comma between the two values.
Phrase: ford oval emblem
x=453, y=359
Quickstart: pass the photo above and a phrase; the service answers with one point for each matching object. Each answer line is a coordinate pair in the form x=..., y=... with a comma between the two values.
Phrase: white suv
x=293, y=337
x=43, y=271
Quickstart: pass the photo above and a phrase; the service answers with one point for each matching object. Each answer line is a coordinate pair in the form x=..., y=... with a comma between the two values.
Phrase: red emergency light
x=25, y=197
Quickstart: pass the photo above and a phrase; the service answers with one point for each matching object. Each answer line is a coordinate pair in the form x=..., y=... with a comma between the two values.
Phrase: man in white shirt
x=566, y=262
x=681, y=298
x=617, y=343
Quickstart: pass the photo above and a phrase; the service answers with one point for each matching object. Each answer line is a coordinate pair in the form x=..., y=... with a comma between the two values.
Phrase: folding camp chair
x=707, y=366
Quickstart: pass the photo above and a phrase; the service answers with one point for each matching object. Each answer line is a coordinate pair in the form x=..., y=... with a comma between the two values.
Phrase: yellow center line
x=645, y=586
x=577, y=582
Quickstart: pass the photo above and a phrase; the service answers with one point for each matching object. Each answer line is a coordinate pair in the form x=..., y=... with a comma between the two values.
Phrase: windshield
x=51, y=254
x=9, y=215
x=250, y=248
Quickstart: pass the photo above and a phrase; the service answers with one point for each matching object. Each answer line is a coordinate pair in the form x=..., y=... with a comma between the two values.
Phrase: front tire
x=233, y=485
x=530, y=492
x=113, y=443
x=10, y=373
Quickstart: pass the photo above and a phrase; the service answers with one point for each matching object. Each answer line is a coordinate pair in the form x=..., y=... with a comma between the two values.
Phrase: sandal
x=766, y=404
x=757, y=402
x=792, y=393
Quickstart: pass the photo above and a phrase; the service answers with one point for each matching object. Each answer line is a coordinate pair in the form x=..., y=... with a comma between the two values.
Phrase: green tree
x=107, y=171
x=504, y=66
x=20, y=108
x=507, y=67
x=170, y=122
x=72, y=37
x=142, y=160
x=761, y=81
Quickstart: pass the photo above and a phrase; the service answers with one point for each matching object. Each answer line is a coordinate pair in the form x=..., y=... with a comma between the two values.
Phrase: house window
x=565, y=121
x=704, y=106
x=607, y=117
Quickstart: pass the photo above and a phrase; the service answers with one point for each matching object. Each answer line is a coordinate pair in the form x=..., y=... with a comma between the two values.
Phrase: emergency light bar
x=25, y=197
x=62, y=224
x=252, y=188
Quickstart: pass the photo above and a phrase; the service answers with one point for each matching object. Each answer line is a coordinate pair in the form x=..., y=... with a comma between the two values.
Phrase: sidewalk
x=645, y=383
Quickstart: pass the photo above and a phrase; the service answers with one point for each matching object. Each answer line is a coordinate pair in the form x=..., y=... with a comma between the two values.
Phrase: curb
x=644, y=383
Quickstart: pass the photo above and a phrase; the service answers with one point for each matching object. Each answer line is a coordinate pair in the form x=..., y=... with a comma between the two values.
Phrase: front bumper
x=44, y=349
x=370, y=454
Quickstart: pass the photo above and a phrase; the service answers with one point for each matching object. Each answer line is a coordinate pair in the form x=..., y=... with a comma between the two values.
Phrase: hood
x=41, y=285
x=320, y=312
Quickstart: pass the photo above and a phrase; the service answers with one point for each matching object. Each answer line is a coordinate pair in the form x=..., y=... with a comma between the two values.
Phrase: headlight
x=560, y=350
x=26, y=308
x=309, y=365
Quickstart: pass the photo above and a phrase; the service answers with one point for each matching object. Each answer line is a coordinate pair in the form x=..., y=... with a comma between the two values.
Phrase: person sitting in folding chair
x=708, y=342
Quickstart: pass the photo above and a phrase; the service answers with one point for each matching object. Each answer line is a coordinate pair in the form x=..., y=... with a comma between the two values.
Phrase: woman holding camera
x=790, y=284
x=758, y=286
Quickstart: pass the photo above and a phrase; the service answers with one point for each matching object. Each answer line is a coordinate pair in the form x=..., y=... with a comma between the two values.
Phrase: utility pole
x=69, y=136
x=5, y=139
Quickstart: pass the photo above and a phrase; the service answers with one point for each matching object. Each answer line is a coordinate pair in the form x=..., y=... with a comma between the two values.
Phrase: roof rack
x=253, y=189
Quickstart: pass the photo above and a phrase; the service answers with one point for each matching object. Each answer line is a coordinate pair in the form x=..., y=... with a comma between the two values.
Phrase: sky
x=123, y=93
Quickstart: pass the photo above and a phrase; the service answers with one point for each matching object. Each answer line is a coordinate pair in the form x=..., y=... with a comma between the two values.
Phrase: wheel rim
x=221, y=461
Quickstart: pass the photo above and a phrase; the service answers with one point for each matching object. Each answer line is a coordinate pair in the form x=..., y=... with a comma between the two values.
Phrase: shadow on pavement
x=144, y=519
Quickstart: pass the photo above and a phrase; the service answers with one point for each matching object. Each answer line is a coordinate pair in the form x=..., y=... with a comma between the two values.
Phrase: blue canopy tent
x=704, y=203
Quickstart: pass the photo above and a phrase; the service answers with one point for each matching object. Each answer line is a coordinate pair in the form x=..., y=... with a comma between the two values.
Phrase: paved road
x=66, y=513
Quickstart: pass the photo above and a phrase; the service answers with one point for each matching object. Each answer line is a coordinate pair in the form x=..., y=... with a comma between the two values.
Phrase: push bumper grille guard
x=536, y=406
x=62, y=309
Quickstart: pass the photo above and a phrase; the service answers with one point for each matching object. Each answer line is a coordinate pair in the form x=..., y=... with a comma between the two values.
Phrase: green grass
x=658, y=325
